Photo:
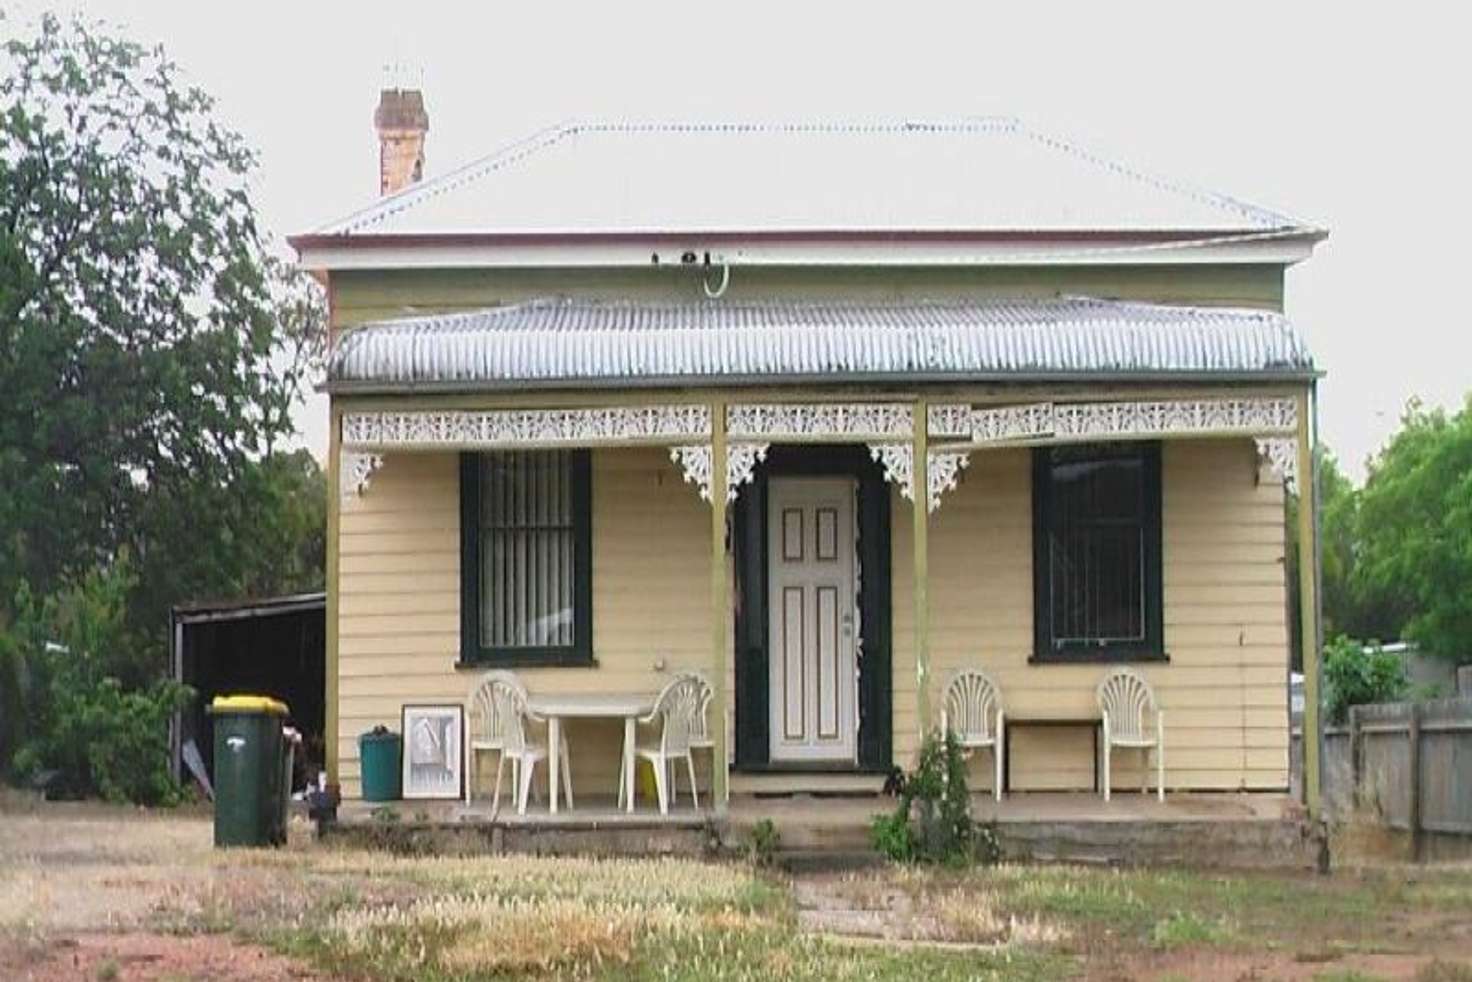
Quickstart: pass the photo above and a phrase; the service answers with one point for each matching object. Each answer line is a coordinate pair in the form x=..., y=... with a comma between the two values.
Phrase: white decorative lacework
x=695, y=463
x=1281, y=454
x=950, y=419
x=898, y=461
x=355, y=470
x=942, y=474
x=1125, y=420
x=845, y=422
x=524, y=427
x=741, y=461
x=1012, y=423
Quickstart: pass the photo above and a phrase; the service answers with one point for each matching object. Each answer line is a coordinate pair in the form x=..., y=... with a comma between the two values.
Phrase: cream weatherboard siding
x=1224, y=690
x=1225, y=626
x=399, y=620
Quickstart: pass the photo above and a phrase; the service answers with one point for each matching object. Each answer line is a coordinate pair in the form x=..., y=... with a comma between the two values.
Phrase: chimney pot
x=401, y=122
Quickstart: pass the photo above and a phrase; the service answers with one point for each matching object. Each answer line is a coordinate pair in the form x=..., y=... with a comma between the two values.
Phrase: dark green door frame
x=749, y=539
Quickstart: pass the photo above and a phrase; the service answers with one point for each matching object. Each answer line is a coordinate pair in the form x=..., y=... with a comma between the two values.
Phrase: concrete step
x=803, y=862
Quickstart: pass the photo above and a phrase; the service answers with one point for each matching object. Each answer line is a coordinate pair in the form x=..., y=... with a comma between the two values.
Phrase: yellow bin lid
x=248, y=704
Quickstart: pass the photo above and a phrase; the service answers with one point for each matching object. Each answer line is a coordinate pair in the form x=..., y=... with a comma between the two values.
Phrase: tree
x=262, y=533
x=1414, y=528
x=140, y=353
x=1352, y=606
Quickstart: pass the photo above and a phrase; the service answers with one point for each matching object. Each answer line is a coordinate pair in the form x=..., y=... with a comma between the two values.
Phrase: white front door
x=810, y=549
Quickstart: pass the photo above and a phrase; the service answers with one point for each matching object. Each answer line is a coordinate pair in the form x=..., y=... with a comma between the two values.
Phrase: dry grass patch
x=495, y=934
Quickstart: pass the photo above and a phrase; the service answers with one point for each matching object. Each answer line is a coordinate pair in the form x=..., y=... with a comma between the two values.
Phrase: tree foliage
x=1414, y=527
x=143, y=352
x=152, y=352
x=83, y=731
x=1353, y=606
x=1356, y=675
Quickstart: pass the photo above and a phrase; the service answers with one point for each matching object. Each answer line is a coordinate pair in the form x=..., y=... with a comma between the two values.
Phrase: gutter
x=355, y=387
x=670, y=248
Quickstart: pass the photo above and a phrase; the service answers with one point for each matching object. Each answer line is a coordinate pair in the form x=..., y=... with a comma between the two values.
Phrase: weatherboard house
x=827, y=413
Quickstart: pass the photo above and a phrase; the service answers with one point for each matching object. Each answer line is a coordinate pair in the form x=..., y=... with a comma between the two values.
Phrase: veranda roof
x=554, y=342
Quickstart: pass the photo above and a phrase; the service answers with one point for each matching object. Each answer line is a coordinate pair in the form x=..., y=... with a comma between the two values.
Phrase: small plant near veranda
x=932, y=822
x=762, y=843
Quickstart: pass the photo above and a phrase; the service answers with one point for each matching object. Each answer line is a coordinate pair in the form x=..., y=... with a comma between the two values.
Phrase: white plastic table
x=593, y=705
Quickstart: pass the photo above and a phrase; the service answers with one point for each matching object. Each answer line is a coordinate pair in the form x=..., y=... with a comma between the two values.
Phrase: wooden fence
x=1409, y=764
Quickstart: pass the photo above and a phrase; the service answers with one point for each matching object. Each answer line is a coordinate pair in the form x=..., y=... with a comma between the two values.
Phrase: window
x=1096, y=553
x=526, y=558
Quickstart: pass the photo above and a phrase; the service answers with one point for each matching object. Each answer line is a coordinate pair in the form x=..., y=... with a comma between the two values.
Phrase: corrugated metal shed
x=969, y=175
x=625, y=343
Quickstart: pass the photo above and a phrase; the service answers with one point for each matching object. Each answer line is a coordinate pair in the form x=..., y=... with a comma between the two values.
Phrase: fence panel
x=1446, y=766
x=1385, y=760
x=1422, y=789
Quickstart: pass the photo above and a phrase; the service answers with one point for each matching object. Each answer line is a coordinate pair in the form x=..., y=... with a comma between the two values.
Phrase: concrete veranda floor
x=798, y=808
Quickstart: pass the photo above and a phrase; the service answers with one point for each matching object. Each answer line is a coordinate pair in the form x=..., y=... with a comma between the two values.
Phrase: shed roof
x=193, y=611
x=982, y=175
x=582, y=342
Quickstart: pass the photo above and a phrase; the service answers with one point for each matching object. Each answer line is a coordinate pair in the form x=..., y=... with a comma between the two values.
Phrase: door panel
x=795, y=689
x=811, y=600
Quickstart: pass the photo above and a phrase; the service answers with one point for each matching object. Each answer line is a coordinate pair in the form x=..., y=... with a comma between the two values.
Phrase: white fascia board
x=1284, y=248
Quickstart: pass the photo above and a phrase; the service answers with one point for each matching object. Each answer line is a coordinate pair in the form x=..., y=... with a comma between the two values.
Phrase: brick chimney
x=401, y=123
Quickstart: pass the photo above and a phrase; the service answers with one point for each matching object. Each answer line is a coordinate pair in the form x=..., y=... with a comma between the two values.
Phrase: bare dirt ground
x=96, y=892
x=91, y=892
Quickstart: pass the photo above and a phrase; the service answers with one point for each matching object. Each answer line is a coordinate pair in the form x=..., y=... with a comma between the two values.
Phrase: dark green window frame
x=473, y=653
x=1151, y=646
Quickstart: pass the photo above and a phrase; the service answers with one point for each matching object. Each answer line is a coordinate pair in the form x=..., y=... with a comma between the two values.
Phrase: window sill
x=1103, y=656
x=529, y=659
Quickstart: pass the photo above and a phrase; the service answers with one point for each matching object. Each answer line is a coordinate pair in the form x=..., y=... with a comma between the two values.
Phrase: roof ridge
x=519, y=150
x=1192, y=191
x=456, y=178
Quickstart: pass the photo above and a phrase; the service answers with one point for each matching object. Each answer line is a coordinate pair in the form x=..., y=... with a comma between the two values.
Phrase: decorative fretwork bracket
x=1280, y=453
x=355, y=470
x=942, y=473
x=741, y=461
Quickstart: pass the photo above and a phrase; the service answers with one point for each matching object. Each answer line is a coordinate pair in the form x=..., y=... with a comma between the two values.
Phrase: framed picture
x=433, y=736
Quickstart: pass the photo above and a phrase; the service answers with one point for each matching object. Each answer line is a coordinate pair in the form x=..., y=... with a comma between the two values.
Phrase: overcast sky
x=1352, y=116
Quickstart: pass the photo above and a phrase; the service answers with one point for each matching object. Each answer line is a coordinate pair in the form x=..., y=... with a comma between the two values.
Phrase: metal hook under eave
x=719, y=291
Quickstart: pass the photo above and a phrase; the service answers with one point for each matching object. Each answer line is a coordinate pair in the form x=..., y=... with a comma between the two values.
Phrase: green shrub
x=1355, y=675
x=81, y=729
x=762, y=843
x=932, y=822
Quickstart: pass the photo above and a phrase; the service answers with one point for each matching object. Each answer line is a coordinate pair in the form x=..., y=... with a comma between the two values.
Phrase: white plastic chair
x=700, y=738
x=972, y=710
x=680, y=711
x=496, y=717
x=1125, y=699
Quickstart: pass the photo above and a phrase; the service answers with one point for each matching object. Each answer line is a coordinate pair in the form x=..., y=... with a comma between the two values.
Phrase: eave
x=812, y=247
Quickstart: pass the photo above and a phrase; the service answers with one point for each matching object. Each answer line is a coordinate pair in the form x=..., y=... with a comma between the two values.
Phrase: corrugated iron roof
x=548, y=342
x=968, y=175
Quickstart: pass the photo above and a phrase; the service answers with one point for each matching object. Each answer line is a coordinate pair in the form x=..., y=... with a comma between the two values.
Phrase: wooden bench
x=1095, y=724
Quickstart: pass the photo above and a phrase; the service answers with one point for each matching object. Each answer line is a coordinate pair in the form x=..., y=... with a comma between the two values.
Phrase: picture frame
x=434, y=736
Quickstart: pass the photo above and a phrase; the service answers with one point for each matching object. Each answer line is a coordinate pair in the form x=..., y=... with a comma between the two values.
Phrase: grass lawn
x=91, y=892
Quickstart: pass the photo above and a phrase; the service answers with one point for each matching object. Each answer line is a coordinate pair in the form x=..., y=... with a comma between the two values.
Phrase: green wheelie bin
x=251, y=771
